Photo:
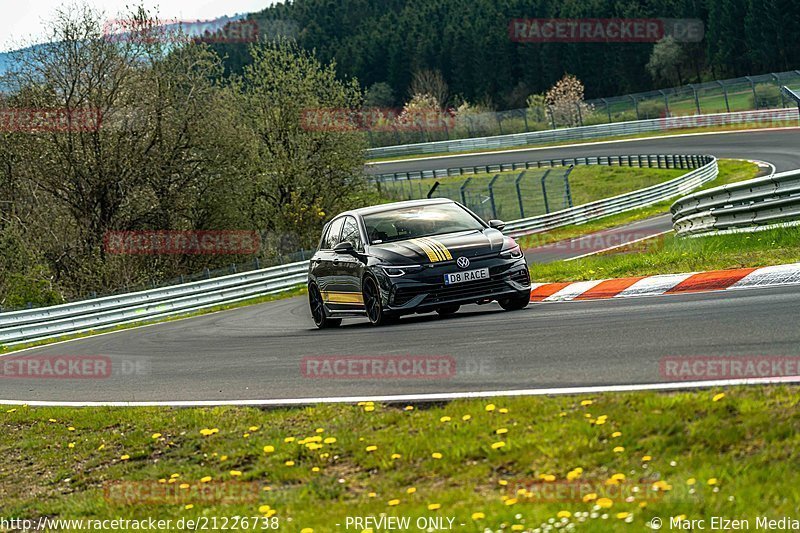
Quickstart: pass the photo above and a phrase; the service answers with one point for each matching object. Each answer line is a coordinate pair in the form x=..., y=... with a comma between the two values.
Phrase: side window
x=332, y=237
x=351, y=234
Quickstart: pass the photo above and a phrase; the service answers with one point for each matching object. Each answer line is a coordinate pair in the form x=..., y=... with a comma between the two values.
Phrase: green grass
x=297, y=291
x=673, y=255
x=746, y=440
x=663, y=133
x=730, y=171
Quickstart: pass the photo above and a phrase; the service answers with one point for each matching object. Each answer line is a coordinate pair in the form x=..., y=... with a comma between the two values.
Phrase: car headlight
x=397, y=271
x=512, y=253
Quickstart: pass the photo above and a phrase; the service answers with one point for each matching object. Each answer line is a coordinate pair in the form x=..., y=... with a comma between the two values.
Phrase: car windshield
x=418, y=221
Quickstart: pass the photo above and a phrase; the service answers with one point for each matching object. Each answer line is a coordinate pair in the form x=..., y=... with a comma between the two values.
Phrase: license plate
x=467, y=275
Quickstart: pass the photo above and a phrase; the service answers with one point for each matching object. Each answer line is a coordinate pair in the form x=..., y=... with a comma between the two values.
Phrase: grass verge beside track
x=672, y=255
x=697, y=454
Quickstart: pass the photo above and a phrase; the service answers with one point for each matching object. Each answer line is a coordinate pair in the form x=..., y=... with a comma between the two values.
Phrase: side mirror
x=345, y=248
x=497, y=224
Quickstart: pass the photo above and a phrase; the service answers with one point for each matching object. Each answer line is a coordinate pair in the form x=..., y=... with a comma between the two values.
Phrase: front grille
x=441, y=292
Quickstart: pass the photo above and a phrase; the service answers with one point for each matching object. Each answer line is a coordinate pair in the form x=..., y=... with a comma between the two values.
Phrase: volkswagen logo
x=462, y=262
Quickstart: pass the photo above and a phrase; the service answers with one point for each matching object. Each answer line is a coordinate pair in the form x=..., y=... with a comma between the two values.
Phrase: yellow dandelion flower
x=478, y=516
x=501, y=431
x=306, y=530
x=101, y=447
x=371, y=495
x=718, y=397
x=235, y=473
x=253, y=428
x=409, y=408
x=264, y=509
x=71, y=445
x=502, y=410
x=510, y=501
x=647, y=458
x=623, y=515
x=498, y=445
x=125, y=457
x=619, y=449
x=589, y=497
x=396, y=456
x=175, y=476
x=436, y=455
x=155, y=436
x=585, y=403
x=289, y=463
x=466, y=417
x=371, y=448
x=604, y=503
x=269, y=449
x=691, y=481
x=547, y=477
x=411, y=490
x=188, y=506
x=315, y=469
x=445, y=419
x=517, y=527
x=616, y=434
x=434, y=506
x=392, y=503
x=563, y=514
x=369, y=408
x=184, y=486
x=618, y=477
x=246, y=436
x=712, y=481
x=289, y=439
x=502, y=482
x=661, y=485
x=330, y=440
x=162, y=480
x=70, y=428
x=490, y=407
x=206, y=479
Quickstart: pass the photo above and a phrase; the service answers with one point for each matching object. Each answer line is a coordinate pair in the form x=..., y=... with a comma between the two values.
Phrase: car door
x=322, y=264
x=349, y=268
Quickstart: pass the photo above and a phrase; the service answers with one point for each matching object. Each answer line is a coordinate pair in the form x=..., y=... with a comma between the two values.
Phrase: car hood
x=439, y=248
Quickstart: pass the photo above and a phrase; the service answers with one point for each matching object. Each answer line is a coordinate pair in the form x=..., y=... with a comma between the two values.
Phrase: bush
x=767, y=95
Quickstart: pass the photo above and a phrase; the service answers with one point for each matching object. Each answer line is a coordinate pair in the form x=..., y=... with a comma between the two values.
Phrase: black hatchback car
x=413, y=257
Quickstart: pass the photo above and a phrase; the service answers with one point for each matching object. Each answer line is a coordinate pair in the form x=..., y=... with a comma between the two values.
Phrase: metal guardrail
x=587, y=132
x=642, y=161
x=754, y=204
x=79, y=317
x=618, y=204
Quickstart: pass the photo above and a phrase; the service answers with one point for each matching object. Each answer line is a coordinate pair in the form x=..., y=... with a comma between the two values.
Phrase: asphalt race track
x=779, y=147
x=257, y=352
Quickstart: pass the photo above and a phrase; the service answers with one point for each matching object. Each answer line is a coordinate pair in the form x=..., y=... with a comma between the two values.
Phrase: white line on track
x=444, y=396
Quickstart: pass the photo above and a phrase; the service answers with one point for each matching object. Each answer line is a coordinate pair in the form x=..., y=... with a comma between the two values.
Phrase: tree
x=565, y=99
x=433, y=84
x=666, y=61
x=379, y=95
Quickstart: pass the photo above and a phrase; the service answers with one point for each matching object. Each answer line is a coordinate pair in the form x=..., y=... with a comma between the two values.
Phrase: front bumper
x=425, y=290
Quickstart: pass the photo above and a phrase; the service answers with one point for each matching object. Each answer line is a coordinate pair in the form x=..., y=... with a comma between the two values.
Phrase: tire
x=448, y=310
x=373, y=303
x=315, y=303
x=515, y=303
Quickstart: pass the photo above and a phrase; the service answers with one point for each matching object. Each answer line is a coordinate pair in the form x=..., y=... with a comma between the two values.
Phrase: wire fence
x=750, y=93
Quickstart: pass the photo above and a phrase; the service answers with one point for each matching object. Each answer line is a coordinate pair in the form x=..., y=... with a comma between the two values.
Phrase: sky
x=21, y=20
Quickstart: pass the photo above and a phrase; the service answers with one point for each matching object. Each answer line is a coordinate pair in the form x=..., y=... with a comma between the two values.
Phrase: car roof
x=398, y=205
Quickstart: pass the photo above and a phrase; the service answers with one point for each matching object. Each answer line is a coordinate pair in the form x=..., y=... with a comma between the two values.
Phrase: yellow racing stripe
x=342, y=297
x=428, y=249
x=445, y=253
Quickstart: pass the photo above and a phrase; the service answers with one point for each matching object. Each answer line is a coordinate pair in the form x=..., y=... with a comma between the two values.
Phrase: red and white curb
x=715, y=280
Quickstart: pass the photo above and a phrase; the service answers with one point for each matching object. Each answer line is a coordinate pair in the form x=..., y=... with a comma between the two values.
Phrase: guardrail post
x=725, y=94
x=696, y=99
x=462, y=190
x=753, y=87
x=666, y=102
x=433, y=190
x=544, y=192
x=519, y=194
x=636, y=106
x=567, y=190
x=491, y=195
